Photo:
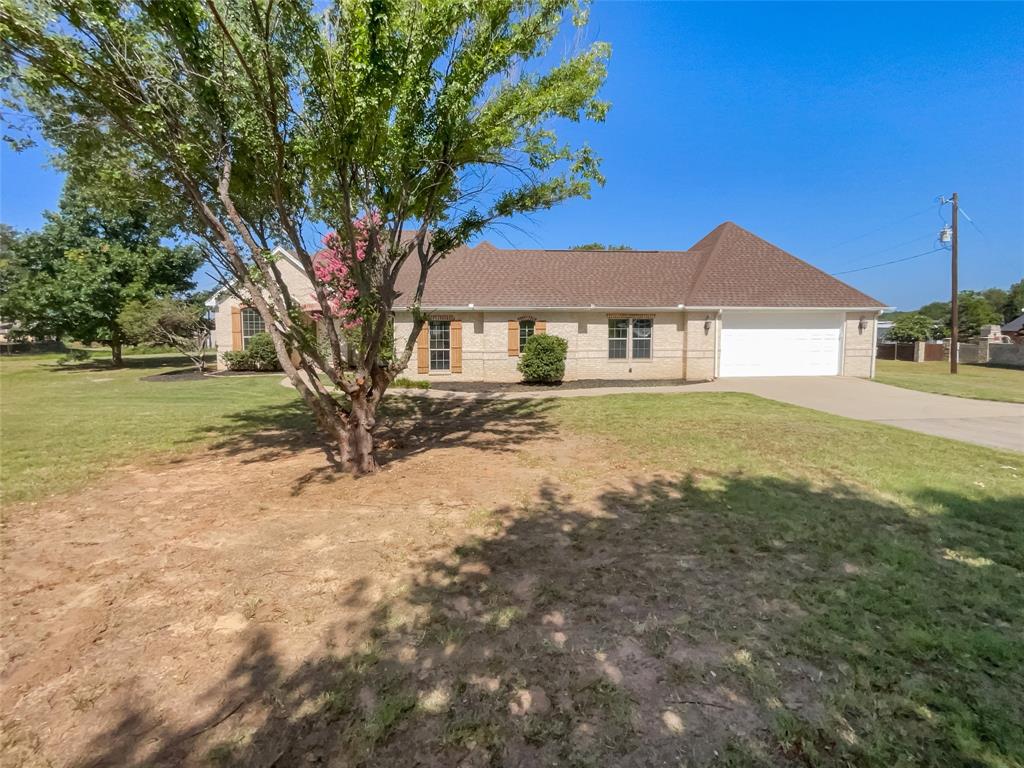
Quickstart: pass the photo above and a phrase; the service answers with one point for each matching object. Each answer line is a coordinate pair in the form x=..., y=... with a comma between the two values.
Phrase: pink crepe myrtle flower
x=332, y=268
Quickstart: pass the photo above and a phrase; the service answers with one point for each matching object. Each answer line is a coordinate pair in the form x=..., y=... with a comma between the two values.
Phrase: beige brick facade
x=859, y=345
x=685, y=344
x=485, y=354
x=294, y=279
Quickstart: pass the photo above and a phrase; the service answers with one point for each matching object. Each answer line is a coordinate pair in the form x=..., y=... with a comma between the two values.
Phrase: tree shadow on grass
x=141, y=363
x=407, y=426
x=729, y=620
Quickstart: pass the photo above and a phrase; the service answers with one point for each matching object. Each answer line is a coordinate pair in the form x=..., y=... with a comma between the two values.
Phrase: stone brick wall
x=1011, y=355
x=859, y=352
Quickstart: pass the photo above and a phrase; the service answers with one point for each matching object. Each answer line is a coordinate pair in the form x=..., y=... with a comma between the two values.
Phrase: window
x=618, y=333
x=642, y=337
x=440, y=345
x=526, y=330
x=252, y=324
x=622, y=331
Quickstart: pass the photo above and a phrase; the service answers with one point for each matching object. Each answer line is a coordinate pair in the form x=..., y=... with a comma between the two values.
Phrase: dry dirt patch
x=493, y=600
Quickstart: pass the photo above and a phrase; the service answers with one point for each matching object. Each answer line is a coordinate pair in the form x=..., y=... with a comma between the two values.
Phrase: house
x=732, y=305
x=1015, y=329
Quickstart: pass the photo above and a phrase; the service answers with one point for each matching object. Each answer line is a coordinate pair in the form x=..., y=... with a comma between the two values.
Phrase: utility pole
x=955, y=308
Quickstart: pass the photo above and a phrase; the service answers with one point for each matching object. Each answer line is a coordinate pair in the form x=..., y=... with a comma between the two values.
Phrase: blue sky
x=828, y=129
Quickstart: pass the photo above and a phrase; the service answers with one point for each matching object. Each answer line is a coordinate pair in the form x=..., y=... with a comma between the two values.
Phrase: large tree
x=973, y=311
x=912, y=327
x=74, y=276
x=405, y=127
x=1014, y=305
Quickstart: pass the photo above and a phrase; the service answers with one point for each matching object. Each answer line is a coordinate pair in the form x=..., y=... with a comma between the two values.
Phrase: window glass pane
x=526, y=328
x=440, y=345
x=642, y=330
x=252, y=324
x=618, y=331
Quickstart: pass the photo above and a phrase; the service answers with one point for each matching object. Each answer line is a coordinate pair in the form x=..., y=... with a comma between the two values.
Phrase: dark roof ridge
x=717, y=233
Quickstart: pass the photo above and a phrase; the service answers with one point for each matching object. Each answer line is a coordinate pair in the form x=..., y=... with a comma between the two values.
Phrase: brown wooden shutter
x=423, y=350
x=513, y=338
x=540, y=326
x=456, y=346
x=236, y=328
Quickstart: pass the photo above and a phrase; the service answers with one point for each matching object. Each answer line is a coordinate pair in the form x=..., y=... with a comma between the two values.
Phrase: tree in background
x=973, y=312
x=936, y=310
x=403, y=127
x=74, y=276
x=915, y=327
x=600, y=247
x=1014, y=305
x=179, y=323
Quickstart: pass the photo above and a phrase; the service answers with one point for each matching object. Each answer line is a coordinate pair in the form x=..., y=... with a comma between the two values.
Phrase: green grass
x=895, y=561
x=924, y=626
x=975, y=381
x=64, y=426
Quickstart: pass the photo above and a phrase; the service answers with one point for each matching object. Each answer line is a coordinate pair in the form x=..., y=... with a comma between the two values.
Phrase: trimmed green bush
x=543, y=359
x=258, y=355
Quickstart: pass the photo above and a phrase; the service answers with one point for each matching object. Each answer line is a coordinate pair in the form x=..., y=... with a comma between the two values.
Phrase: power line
x=864, y=256
x=887, y=263
x=881, y=228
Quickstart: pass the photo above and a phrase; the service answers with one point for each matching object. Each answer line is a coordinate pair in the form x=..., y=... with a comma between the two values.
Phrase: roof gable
x=740, y=269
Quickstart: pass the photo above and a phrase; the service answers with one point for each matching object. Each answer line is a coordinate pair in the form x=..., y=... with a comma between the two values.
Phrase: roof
x=1014, y=326
x=729, y=267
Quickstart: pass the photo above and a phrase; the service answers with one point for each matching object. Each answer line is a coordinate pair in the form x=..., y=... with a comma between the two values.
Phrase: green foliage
x=176, y=323
x=936, y=310
x=912, y=328
x=1005, y=305
x=600, y=247
x=253, y=123
x=259, y=355
x=974, y=311
x=75, y=275
x=407, y=383
x=1014, y=305
x=75, y=355
x=543, y=359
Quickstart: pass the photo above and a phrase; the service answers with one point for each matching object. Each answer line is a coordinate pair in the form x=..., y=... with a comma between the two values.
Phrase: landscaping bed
x=493, y=386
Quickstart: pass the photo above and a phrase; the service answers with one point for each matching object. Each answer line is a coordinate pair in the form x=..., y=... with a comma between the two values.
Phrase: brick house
x=731, y=305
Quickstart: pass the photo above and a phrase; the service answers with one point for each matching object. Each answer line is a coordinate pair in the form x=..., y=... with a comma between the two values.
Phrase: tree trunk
x=115, y=349
x=357, y=438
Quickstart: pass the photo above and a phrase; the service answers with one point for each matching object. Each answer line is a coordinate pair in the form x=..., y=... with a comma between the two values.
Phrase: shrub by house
x=543, y=359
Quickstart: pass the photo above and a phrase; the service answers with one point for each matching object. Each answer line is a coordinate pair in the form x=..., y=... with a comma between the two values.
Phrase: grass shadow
x=140, y=363
x=727, y=620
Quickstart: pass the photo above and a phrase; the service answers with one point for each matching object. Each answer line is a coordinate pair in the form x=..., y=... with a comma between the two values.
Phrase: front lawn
x=649, y=579
x=975, y=381
x=65, y=426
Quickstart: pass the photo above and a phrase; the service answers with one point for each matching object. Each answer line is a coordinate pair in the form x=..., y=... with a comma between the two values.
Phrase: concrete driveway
x=997, y=425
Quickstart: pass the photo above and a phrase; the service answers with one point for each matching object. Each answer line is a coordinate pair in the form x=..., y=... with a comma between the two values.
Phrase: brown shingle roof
x=728, y=267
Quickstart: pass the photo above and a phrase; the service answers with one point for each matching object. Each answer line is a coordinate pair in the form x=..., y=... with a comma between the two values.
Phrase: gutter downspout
x=718, y=342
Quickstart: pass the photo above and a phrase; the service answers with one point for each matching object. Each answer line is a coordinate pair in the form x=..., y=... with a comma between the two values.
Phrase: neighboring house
x=732, y=305
x=1015, y=329
x=882, y=328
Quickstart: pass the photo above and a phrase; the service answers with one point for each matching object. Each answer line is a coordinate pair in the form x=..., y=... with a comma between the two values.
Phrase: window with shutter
x=440, y=345
x=526, y=329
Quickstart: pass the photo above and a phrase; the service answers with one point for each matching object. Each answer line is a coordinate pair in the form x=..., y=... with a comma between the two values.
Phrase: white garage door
x=781, y=343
